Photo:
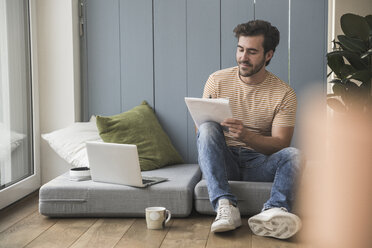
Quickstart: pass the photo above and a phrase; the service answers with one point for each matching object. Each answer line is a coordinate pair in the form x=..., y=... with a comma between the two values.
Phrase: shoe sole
x=281, y=227
x=225, y=228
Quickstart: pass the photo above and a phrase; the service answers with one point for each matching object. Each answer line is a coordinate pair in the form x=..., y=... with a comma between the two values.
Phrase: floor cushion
x=62, y=197
x=251, y=196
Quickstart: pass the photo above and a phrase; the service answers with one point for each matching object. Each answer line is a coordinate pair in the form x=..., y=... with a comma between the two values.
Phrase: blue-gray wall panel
x=233, y=12
x=170, y=69
x=164, y=50
x=136, y=49
x=309, y=20
x=103, y=57
x=203, y=54
x=277, y=13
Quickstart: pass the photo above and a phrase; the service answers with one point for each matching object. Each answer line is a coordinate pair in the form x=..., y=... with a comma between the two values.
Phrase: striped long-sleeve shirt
x=260, y=106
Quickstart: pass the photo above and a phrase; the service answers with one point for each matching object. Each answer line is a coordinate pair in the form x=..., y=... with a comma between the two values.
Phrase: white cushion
x=9, y=141
x=69, y=142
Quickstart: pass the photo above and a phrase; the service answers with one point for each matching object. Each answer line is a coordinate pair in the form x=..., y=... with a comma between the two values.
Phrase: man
x=254, y=144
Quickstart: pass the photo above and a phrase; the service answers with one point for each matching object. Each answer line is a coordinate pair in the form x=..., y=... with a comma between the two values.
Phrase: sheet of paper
x=204, y=109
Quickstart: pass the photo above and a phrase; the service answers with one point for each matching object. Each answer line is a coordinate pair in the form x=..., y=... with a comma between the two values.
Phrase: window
x=16, y=115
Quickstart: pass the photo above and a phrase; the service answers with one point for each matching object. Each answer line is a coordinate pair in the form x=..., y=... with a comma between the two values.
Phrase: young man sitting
x=254, y=144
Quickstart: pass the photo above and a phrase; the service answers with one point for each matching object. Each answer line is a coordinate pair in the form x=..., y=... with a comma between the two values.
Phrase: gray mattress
x=251, y=196
x=62, y=197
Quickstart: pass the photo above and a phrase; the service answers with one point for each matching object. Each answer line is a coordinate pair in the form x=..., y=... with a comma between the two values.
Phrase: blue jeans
x=220, y=163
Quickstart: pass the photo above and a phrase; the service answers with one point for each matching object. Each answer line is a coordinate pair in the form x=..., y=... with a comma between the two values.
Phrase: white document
x=204, y=109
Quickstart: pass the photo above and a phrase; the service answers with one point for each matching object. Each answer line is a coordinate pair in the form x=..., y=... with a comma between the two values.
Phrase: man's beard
x=251, y=70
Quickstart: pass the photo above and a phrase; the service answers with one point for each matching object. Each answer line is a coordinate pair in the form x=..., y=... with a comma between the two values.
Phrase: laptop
x=117, y=163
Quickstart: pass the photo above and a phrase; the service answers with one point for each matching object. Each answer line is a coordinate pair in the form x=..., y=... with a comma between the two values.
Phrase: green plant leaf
x=356, y=95
x=352, y=44
x=335, y=81
x=366, y=85
x=363, y=76
x=355, y=26
x=335, y=61
x=353, y=58
x=351, y=86
x=336, y=105
x=337, y=53
x=365, y=55
x=346, y=70
x=339, y=89
x=369, y=21
x=356, y=62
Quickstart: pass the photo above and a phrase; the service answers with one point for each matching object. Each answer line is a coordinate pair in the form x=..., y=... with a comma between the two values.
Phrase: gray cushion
x=64, y=198
x=251, y=196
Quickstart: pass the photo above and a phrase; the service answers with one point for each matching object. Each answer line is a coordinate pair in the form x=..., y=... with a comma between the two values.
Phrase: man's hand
x=236, y=128
x=279, y=139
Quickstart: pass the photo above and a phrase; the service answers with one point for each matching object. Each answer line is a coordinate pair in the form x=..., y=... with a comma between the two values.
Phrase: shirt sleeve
x=210, y=88
x=286, y=114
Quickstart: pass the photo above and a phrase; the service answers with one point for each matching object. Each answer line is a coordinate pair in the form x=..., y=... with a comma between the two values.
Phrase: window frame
x=31, y=183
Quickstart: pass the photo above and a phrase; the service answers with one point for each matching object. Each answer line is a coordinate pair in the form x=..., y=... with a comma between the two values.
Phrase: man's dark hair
x=260, y=27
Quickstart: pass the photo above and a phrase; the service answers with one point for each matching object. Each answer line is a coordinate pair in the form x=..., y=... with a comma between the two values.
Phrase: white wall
x=59, y=75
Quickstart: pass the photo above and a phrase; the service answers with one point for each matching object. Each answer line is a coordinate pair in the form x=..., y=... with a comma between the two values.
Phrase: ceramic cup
x=79, y=173
x=157, y=217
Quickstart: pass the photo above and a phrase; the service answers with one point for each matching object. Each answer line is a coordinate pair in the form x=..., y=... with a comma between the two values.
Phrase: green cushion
x=140, y=126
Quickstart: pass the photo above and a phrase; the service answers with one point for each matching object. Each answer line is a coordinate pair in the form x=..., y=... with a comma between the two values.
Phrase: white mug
x=157, y=217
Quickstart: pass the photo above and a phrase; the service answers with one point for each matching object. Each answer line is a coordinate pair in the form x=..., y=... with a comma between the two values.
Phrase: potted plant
x=351, y=63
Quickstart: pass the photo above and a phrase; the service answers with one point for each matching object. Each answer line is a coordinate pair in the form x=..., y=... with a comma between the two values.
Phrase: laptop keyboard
x=145, y=181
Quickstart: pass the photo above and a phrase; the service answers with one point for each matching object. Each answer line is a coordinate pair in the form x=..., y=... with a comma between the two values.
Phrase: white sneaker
x=228, y=217
x=275, y=222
